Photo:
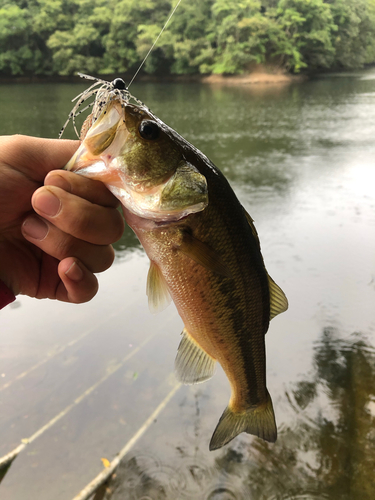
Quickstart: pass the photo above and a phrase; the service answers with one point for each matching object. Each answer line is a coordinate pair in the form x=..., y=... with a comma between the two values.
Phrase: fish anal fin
x=193, y=365
x=204, y=255
x=157, y=289
x=278, y=300
x=259, y=421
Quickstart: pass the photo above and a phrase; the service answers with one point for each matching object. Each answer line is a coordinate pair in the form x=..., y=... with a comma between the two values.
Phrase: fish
x=203, y=247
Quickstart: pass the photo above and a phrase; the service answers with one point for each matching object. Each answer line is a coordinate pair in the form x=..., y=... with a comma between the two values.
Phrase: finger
x=89, y=189
x=35, y=156
x=56, y=243
x=77, y=284
x=78, y=217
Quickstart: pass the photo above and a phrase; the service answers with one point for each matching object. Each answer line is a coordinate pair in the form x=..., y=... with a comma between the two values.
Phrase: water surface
x=301, y=159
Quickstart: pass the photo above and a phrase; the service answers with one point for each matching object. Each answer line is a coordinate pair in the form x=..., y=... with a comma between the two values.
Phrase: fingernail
x=34, y=227
x=74, y=272
x=58, y=181
x=47, y=203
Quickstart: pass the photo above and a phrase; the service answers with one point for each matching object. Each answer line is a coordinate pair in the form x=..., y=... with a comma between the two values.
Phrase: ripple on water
x=167, y=477
x=134, y=477
x=196, y=475
x=303, y=496
x=224, y=493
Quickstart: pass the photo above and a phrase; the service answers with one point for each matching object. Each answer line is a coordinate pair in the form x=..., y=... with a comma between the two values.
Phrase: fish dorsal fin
x=252, y=227
x=278, y=300
x=157, y=289
x=205, y=256
x=193, y=364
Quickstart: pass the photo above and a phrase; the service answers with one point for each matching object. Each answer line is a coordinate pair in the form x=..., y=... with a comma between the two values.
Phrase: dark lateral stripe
x=250, y=339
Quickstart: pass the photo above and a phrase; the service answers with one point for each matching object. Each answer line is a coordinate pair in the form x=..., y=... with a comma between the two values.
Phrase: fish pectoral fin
x=278, y=300
x=157, y=289
x=259, y=421
x=193, y=364
x=204, y=255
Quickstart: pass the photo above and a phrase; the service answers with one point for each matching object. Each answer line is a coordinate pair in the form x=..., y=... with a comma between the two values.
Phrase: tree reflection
x=325, y=451
x=330, y=451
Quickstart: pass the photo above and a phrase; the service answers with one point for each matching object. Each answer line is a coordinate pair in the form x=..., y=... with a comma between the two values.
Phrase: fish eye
x=119, y=84
x=149, y=130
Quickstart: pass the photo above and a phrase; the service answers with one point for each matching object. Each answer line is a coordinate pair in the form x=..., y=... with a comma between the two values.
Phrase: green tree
x=21, y=48
x=120, y=44
x=354, y=40
x=76, y=44
x=204, y=36
x=187, y=40
x=233, y=36
x=310, y=28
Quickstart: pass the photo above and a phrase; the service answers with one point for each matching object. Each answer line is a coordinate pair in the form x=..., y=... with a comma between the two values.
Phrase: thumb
x=78, y=284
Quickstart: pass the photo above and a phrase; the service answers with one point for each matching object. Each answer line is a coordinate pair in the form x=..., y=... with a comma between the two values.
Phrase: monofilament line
x=156, y=41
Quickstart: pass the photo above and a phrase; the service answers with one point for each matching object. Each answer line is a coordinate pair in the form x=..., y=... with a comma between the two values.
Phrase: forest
x=61, y=37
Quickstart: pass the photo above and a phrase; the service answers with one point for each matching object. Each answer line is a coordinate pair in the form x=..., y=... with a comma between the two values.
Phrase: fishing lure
x=103, y=93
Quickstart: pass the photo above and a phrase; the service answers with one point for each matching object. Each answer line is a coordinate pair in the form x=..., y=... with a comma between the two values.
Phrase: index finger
x=89, y=189
x=35, y=156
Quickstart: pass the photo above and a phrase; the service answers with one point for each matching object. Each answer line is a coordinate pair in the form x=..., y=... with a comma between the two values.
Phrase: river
x=82, y=382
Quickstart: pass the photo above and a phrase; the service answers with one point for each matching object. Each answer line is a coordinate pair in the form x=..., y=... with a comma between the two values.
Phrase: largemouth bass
x=203, y=248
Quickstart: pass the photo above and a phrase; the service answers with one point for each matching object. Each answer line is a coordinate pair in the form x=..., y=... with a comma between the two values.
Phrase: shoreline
x=254, y=77
x=256, y=74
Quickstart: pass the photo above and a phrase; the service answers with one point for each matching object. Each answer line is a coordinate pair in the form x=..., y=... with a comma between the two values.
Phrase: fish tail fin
x=259, y=421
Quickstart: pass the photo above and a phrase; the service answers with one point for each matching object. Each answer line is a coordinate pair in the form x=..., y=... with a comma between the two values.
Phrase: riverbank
x=259, y=75
x=254, y=78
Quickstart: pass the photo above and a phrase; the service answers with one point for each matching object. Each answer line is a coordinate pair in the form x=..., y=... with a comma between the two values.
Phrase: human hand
x=52, y=238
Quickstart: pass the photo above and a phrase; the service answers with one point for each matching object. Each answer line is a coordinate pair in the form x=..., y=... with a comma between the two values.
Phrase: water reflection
x=327, y=451
x=301, y=160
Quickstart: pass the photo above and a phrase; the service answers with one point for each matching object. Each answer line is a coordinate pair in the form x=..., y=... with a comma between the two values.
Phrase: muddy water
x=96, y=377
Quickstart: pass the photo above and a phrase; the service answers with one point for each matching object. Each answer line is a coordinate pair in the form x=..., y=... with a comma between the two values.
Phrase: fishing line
x=155, y=42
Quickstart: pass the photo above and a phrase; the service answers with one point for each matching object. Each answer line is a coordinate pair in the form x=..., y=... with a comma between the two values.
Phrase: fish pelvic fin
x=259, y=421
x=193, y=365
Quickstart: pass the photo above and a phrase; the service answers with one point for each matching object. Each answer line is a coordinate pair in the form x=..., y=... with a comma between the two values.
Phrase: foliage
x=204, y=36
x=355, y=39
x=309, y=26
